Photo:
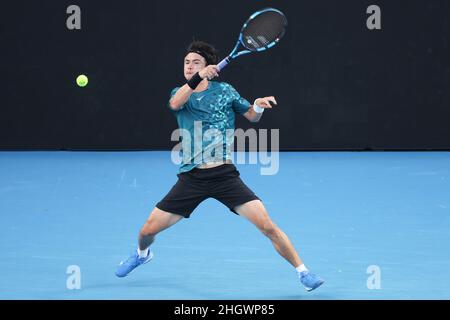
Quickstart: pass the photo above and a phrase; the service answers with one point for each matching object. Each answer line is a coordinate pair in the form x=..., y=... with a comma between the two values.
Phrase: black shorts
x=221, y=183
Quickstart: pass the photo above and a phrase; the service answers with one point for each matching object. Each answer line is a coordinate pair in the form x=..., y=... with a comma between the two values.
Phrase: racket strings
x=263, y=30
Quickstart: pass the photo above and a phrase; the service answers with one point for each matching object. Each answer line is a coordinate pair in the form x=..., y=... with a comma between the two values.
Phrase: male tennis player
x=206, y=171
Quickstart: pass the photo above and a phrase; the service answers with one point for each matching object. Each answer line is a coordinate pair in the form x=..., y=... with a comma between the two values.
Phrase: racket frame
x=240, y=41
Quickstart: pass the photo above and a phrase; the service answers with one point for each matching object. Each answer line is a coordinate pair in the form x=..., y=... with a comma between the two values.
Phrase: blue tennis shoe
x=133, y=261
x=310, y=280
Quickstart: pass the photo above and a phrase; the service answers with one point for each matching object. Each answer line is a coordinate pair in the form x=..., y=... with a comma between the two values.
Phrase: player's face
x=193, y=63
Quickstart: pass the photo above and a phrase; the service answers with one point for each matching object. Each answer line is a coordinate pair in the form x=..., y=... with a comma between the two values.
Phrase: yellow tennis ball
x=82, y=80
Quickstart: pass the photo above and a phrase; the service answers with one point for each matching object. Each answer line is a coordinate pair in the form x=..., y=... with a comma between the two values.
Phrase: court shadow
x=306, y=296
x=158, y=288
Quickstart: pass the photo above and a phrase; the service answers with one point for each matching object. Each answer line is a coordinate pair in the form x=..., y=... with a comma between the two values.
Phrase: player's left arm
x=255, y=111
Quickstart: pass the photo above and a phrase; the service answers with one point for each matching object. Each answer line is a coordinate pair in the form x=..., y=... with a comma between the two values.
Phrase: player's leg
x=180, y=202
x=238, y=197
x=257, y=214
x=158, y=221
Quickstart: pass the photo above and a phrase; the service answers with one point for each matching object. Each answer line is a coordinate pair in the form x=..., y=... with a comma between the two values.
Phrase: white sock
x=142, y=253
x=301, y=268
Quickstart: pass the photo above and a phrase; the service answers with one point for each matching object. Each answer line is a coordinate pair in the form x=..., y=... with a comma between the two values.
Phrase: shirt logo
x=198, y=99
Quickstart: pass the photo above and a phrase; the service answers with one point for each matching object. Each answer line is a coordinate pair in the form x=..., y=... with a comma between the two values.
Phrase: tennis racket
x=260, y=32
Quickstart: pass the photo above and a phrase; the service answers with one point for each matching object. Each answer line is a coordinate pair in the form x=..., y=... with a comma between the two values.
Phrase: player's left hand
x=265, y=102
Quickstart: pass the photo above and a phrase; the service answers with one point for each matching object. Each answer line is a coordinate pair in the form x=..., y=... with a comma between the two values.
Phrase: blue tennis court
x=345, y=212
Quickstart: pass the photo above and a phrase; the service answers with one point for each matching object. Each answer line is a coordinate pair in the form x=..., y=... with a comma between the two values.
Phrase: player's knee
x=149, y=229
x=269, y=229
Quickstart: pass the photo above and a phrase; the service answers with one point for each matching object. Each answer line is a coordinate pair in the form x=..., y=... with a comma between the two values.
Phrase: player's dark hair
x=206, y=50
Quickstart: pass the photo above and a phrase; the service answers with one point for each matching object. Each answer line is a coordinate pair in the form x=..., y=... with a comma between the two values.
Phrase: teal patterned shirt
x=206, y=123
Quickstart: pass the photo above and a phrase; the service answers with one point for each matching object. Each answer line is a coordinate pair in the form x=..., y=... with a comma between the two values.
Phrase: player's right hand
x=209, y=72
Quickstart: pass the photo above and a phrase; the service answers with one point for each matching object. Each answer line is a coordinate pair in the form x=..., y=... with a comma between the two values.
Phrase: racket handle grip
x=222, y=64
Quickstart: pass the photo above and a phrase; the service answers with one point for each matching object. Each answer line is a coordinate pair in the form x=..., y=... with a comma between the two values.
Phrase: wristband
x=194, y=81
x=257, y=108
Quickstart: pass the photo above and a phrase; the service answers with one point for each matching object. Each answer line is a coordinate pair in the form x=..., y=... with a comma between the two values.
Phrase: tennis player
x=206, y=171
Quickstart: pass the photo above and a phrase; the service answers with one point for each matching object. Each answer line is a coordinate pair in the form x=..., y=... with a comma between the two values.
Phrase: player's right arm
x=183, y=94
x=181, y=97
